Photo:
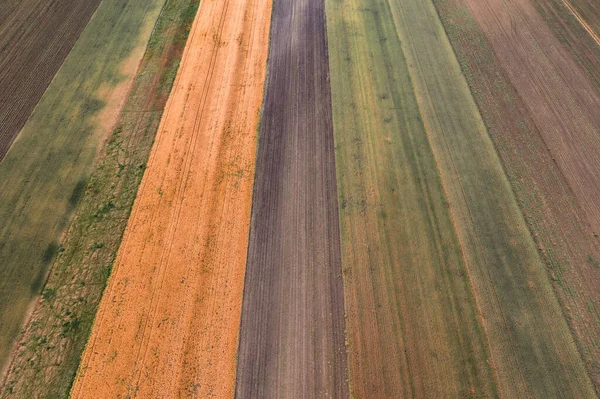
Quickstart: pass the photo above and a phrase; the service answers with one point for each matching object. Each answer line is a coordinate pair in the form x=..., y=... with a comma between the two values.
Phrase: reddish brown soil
x=168, y=323
x=520, y=117
x=35, y=38
x=292, y=332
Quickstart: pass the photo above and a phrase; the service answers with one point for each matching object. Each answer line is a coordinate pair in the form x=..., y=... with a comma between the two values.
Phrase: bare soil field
x=46, y=358
x=46, y=170
x=168, y=323
x=292, y=330
x=558, y=223
x=35, y=38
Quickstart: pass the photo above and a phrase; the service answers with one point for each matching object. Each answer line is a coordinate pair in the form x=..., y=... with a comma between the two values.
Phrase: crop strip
x=413, y=323
x=45, y=173
x=558, y=224
x=292, y=330
x=168, y=322
x=416, y=168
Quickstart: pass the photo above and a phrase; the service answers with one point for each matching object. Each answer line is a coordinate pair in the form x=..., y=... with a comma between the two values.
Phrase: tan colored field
x=168, y=322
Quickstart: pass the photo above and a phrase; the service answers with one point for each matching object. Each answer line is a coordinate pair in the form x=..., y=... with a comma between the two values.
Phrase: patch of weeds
x=71, y=326
x=49, y=294
x=92, y=105
x=51, y=250
x=97, y=245
x=107, y=207
x=105, y=273
x=593, y=262
x=77, y=192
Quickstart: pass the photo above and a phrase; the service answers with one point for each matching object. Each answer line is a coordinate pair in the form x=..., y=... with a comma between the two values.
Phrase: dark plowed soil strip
x=35, y=38
x=292, y=330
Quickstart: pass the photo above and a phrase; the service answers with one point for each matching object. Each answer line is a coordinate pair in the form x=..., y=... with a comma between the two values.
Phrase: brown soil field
x=560, y=98
x=168, y=323
x=554, y=216
x=292, y=330
x=35, y=38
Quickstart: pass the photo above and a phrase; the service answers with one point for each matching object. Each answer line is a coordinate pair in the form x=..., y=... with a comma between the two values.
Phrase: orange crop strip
x=168, y=323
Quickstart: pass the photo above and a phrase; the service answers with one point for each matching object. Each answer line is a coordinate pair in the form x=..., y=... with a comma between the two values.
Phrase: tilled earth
x=292, y=331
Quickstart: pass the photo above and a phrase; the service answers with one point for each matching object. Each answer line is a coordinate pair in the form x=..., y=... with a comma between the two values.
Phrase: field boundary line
x=582, y=21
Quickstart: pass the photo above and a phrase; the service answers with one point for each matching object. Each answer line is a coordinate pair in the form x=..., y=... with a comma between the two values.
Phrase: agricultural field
x=169, y=319
x=418, y=113
x=35, y=38
x=588, y=13
x=310, y=198
x=563, y=233
x=46, y=170
x=575, y=35
x=48, y=355
x=292, y=327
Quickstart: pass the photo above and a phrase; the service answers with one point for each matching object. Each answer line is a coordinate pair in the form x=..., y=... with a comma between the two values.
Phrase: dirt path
x=292, y=332
x=168, y=322
x=585, y=25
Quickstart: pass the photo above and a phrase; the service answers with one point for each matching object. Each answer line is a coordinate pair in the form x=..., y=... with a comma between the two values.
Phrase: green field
x=553, y=215
x=48, y=359
x=442, y=277
x=412, y=316
x=47, y=169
